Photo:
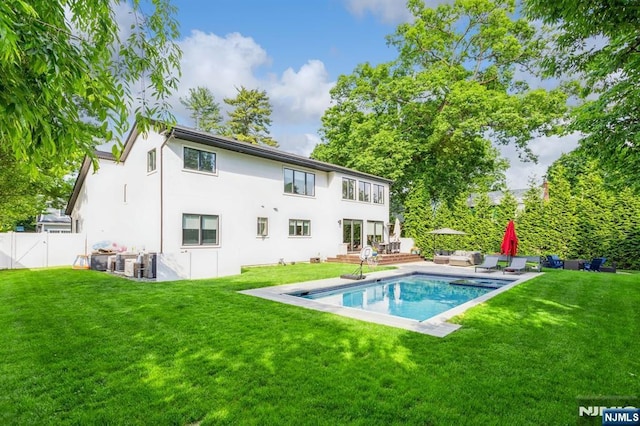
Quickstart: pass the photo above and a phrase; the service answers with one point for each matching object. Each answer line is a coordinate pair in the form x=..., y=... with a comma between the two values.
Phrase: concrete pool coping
x=434, y=326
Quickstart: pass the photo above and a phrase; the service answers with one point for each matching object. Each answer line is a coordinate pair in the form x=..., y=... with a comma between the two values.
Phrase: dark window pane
x=209, y=236
x=190, y=237
x=299, y=182
x=311, y=185
x=288, y=181
x=191, y=158
x=207, y=161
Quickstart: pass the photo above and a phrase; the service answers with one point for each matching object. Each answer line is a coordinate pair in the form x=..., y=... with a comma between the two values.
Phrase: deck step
x=383, y=259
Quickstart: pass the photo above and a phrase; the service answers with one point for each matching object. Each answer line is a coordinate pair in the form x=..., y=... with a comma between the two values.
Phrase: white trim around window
x=299, y=182
x=262, y=229
x=199, y=160
x=299, y=228
x=378, y=194
x=200, y=230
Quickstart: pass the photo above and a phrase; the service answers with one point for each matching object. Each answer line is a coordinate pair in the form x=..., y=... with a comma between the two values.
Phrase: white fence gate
x=38, y=250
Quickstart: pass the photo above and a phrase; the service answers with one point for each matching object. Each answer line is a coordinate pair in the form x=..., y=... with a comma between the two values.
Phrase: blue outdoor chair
x=595, y=264
x=553, y=261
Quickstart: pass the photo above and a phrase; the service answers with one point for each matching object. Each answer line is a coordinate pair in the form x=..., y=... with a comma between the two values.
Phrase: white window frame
x=378, y=194
x=262, y=229
x=152, y=160
x=294, y=173
x=364, y=188
x=300, y=223
x=200, y=242
x=199, y=169
x=350, y=189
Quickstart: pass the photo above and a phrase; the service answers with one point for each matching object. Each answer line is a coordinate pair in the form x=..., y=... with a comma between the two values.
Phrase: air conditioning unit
x=129, y=267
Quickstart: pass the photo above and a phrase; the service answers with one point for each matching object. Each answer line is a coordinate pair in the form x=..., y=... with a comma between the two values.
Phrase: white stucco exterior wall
x=243, y=188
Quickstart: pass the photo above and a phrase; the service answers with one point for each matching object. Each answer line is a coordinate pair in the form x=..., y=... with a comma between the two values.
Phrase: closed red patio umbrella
x=510, y=240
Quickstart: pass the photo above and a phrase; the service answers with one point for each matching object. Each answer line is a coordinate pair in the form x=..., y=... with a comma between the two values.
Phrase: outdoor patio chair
x=595, y=264
x=490, y=264
x=518, y=265
x=553, y=261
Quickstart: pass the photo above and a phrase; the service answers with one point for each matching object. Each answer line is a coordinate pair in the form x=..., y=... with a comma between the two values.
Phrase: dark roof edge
x=82, y=175
x=204, y=138
x=192, y=135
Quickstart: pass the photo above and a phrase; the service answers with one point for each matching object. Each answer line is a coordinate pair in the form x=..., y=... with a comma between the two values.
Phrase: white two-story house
x=208, y=205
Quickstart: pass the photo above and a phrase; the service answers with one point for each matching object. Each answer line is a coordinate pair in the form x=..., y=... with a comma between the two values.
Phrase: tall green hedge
x=581, y=219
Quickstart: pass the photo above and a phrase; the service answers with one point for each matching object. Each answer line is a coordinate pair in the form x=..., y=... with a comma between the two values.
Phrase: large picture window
x=378, y=194
x=299, y=228
x=364, y=191
x=298, y=182
x=348, y=189
x=202, y=161
x=199, y=230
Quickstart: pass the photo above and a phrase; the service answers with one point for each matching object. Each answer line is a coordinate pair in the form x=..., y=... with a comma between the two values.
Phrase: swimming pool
x=416, y=296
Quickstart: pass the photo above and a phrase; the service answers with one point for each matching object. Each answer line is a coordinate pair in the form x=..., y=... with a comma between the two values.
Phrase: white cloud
x=297, y=143
x=219, y=63
x=548, y=150
x=302, y=96
x=388, y=11
x=222, y=64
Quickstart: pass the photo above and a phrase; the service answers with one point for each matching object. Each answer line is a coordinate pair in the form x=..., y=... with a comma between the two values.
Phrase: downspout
x=166, y=140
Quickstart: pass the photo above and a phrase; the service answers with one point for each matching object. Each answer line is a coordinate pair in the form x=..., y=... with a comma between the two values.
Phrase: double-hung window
x=202, y=161
x=348, y=189
x=299, y=228
x=378, y=194
x=364, y=191
x=199, y=230
x=299, y=182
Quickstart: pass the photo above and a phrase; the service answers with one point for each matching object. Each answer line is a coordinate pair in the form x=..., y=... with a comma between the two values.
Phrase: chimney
x=545, y=189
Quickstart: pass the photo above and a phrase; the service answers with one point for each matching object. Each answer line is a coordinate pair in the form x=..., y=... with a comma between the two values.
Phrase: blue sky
x=295, y=50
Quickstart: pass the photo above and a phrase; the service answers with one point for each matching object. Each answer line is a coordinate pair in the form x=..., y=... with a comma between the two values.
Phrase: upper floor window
x=364, y=191
x=151, y=160
x=199, y=230
x=378, y=194
x=263, y=226
x=348, y=189
x=298, y=182
x=203, y=161
x=299, y=228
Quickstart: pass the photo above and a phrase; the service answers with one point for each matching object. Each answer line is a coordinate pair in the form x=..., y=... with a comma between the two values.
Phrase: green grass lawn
x=83, y=347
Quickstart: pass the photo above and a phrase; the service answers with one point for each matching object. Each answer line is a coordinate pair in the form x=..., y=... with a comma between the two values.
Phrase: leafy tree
x=505, y=212
x=433, y=113
x=594, y=217
x=625, y=249
x=205, y=111
x=609, y=68
x=560, y=225
x=483, y=228
x=68, y=79
x=531, y=226
x=251, y=118
x=24, y=195
x=419, y=218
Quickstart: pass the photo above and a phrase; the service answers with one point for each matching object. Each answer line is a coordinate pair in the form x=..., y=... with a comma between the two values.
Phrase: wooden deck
x=383, y=259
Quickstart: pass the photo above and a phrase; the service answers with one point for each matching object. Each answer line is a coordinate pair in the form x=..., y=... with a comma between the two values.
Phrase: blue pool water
x=416, y=296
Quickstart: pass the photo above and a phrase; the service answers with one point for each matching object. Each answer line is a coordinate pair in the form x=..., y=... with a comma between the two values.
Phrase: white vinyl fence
x=39, y=250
